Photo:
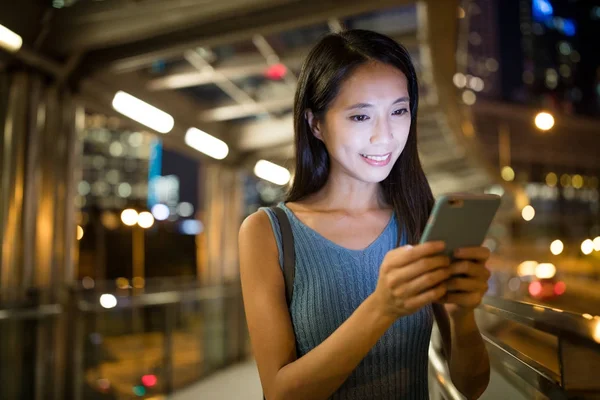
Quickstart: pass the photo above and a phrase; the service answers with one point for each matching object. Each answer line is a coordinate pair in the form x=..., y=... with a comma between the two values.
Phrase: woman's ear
x=313, y=124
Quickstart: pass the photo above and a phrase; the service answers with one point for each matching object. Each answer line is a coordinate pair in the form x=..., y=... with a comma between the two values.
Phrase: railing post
x=579, y=364
x=77, y=317
x=168, y=347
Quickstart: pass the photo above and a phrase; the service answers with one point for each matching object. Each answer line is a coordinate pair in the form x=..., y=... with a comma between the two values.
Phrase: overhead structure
x=229, y=70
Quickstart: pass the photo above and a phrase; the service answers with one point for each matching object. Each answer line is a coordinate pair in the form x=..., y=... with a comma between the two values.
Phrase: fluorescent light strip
x=207, y=144
x=272, y=172
x=9, y=40
x=143, y=112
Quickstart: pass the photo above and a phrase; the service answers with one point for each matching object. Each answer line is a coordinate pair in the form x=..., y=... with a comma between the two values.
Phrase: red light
x=149, y=380
x=560, y=288
x=276, y=72
x=535, y=288
x=103, y=384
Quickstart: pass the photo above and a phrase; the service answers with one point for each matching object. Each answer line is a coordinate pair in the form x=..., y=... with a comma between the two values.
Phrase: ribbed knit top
x=330, y=283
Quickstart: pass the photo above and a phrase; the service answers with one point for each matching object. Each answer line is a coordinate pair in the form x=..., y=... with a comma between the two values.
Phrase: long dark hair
x=328, y=64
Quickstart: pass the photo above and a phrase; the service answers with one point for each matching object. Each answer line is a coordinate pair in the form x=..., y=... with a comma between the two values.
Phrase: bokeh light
x=145, y=219
x=528, y=213
x=577, y=181
x=149, y=380
x=535, y=288
x=138, y=282
x=185, y=209
x=139, y=390
x=557, y=247
x=527, y=268
x=108, y=301
x=122, y=283
x=597, y=331
x=560, y=288
x=103, y=384
x=544, y=121
x=160, y=212
x=508, y=174
x=545, y=271
x=79, y=232
x=88, y=282
x=596, y=243
x=587, y=247
x=551, y=179
x=129, y=217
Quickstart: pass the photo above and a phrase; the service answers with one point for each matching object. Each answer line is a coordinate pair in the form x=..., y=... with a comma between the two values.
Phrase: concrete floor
x=237, y=382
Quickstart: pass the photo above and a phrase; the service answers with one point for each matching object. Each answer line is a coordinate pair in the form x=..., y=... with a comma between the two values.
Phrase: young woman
x=365, y=292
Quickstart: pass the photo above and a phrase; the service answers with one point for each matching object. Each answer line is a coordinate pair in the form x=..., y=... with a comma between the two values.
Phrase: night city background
x=138, y=135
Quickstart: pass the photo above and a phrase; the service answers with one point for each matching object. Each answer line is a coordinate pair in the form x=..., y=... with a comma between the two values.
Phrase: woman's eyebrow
x=367, y=105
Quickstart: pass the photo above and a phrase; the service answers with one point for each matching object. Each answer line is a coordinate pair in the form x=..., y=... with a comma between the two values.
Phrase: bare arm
x=319, y=373
x=468, y=360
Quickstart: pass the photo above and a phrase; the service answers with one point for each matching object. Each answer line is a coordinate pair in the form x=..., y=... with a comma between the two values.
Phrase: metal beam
x=227, y=113
x=242, y=66
x=279, y=18
x=95, y=25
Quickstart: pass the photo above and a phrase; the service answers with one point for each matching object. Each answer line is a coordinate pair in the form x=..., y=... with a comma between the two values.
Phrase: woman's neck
x=351, y=197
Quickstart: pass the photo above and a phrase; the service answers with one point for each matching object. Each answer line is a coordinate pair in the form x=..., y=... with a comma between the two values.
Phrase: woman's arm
x=468, y=360
x=465, y=351
x=320, y=372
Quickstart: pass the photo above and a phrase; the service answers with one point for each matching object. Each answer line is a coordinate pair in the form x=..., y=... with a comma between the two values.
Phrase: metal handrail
x=162, y=298
x=546, y=319
x=576, y=337
x=39, y=312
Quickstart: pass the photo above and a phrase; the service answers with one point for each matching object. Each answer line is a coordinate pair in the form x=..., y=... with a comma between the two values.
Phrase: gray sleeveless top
x=330, y=283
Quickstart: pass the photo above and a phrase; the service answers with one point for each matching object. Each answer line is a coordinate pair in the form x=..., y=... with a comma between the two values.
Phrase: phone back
x=461, y=220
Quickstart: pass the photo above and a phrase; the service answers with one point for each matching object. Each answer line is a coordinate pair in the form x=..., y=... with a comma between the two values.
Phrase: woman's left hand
x=468, y=282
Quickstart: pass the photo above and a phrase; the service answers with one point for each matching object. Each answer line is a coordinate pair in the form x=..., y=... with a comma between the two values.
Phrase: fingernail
x=408, y=246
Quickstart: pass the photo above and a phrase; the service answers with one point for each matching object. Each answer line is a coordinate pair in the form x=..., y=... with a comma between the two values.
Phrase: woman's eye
x=359, y=118
x=401, y=111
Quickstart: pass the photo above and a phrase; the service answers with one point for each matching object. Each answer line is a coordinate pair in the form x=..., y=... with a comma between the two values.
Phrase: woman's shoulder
x=256, y=238
x=257, y=223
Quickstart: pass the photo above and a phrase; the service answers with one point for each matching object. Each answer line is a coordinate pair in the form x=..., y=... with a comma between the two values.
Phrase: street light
x=544, y=121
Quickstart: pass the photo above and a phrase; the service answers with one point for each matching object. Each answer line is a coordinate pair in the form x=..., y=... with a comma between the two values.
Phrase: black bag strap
x=289, y=255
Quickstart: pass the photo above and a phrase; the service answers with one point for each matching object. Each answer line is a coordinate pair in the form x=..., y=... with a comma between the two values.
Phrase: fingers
x=430, y=296
x=469, y=268
x=467, y=300
x=473, y=253
x=417, y=269
x=424, y=282
x=408, y=254
x=466, y=285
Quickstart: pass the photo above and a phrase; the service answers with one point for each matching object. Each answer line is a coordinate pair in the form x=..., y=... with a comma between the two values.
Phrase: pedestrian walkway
x=239, y=381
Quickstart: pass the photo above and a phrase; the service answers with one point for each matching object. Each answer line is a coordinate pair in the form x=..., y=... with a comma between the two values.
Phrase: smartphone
x=461, y=220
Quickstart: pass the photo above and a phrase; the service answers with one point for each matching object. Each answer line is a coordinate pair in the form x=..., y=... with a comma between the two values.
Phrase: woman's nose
x=382, y=133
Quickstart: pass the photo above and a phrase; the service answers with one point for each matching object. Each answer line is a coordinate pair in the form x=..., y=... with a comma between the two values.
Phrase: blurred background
x=137, y=136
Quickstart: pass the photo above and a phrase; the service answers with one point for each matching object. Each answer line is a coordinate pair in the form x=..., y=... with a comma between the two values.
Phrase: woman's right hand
x=411, y=277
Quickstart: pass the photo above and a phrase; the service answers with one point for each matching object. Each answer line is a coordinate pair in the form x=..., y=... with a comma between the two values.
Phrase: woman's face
x=367, y=125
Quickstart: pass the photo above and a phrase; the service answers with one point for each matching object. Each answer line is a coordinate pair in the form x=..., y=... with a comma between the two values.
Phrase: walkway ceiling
x=230, y=67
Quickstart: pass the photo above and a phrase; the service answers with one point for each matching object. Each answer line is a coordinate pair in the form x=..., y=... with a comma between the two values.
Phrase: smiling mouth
x=377, y=158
